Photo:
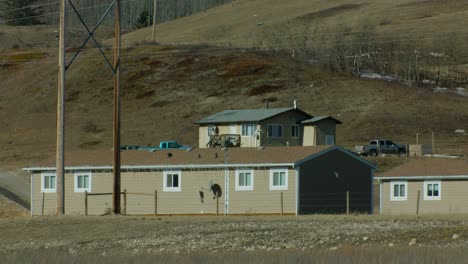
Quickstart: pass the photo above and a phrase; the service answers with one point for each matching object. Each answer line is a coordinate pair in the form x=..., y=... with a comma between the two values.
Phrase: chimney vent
x=295, y=104
x=266, y=103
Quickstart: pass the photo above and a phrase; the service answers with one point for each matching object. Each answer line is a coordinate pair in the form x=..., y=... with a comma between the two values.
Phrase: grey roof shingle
x=244, y=115
x=196, y=156
x=316, y=119
x=429, y=167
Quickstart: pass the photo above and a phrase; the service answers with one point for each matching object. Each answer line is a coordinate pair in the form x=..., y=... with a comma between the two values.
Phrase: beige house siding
x=308, y=136
x=74, y=201
x=261, y=199
x=454, y=199
x=140, y=187
x=203, y=138
x=325, y=180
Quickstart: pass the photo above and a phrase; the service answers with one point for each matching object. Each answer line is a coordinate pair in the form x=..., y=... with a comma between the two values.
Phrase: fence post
x=155, y=202
x=417, y=202
x=86, y=203
x=347, y=202
x=281, y=203
x=125, y=202
x=217, y=204
x=42, y=206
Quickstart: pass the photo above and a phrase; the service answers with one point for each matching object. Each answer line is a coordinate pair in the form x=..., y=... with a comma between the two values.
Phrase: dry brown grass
x=173, y=87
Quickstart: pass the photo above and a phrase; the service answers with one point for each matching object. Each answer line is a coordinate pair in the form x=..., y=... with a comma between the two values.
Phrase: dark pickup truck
x=380, y=146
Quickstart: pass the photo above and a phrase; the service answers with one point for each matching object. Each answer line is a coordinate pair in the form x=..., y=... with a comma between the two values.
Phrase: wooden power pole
x=116, y=115
x=60, y=153
x=63, y=66
x=154, y=20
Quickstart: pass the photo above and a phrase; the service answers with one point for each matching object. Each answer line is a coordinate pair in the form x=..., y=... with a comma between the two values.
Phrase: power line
x=26, y=7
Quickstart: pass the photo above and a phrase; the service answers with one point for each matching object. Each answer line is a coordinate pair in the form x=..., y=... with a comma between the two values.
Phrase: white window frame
x=432, y=198
x=392, y=197
x=172, y=189
x=76, y=175
x=275, y=125
x=279, y=187
x=210, y=131
x=48, y=190
x=244, y=128
x=245, y=188
x=298, y=131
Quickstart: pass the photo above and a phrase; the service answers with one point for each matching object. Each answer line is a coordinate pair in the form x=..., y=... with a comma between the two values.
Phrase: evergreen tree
x=144, y=19
x=20, y=12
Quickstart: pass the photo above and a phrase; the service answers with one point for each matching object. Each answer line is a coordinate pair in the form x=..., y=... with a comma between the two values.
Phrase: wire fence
x=339, y=202
x=131, y=11
x=240, y=203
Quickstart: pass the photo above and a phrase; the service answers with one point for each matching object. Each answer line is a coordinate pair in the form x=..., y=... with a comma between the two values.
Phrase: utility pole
x=433, y=143
x=60, y=157
x=63, y=66
x=154, y=20
x=116, y=116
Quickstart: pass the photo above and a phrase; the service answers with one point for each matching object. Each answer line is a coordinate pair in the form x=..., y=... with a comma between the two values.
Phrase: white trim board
x=164, y=167
x=434, y=177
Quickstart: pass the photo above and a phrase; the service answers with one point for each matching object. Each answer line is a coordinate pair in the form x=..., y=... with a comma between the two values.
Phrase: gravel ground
x=185, y=235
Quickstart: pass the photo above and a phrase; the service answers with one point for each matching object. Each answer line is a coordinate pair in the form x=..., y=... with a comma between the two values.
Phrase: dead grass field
x=238, y=23
x=173, y=87
x=303, y=239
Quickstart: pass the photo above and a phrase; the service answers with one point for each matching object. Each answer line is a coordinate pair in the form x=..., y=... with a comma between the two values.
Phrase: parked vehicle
x=380, y=146
x=171, y=144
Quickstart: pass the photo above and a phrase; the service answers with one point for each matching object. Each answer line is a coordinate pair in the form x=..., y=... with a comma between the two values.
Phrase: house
x=266, y=127
x=425, y=186
x=267, y=180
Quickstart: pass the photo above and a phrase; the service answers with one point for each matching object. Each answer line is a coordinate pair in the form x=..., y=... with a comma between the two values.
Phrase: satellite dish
x=216, y=189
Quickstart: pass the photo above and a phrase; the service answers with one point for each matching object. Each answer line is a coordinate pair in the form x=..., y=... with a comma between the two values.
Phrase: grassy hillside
x=167, y=88
x=243, y=21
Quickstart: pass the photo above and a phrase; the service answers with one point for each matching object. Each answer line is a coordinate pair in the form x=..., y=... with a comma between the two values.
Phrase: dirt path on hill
x=15, y=186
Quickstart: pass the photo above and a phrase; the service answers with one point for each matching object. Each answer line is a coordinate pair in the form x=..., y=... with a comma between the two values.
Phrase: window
x=49, y=181
x=432, y=190
x=210, y=129
x=275, y=131
x=278, y=179
x=295, y=131
x=244, y=180
x=329, y=140
x=389, y=143
x=83, y=182
x=172, y=181
x=248, y=130
x=398, y=190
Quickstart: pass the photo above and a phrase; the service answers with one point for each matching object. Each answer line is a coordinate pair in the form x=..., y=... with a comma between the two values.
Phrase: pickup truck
x=162, y=145
x=379, y=146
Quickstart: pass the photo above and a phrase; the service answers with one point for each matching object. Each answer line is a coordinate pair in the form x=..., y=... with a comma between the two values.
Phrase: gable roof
x=335, y=147
x=246, y=115
x=316, y=119
x=428, y=168
x=177, y=158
